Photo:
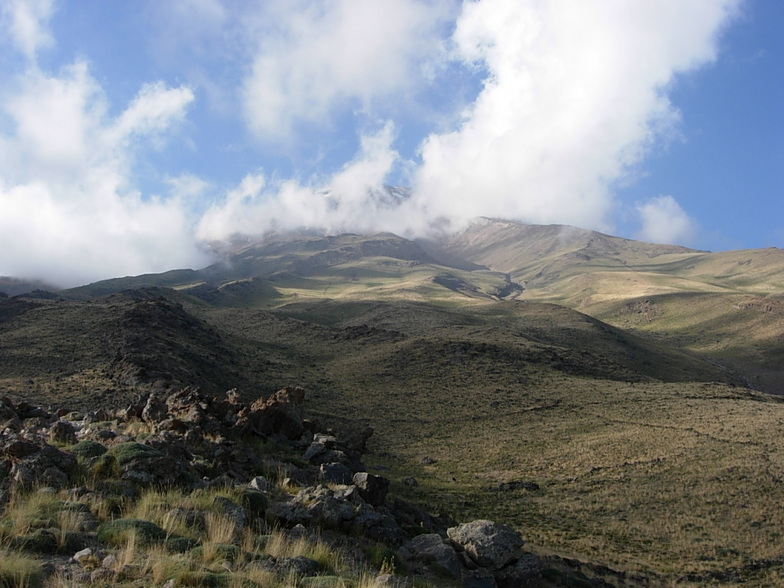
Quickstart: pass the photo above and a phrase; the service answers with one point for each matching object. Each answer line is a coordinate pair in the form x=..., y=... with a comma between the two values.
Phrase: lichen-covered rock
x=491, y=545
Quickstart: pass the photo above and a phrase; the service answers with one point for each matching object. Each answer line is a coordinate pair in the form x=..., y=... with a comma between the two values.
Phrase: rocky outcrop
x=196, y=441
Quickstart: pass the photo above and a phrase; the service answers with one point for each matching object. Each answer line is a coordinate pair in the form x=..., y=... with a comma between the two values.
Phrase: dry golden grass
x=660, y=479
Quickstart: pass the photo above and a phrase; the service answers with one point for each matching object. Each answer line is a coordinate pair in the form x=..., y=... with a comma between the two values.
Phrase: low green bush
x=87, y=449
x=125, y=452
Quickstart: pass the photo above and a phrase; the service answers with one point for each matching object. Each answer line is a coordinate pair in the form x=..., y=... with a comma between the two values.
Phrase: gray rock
x=479, y=578
x=525, y=571
x=261, y=484
x=314, y=450
x=233, y=511
x=491, y=545
x=335, y=473
x=330, y=511
x=431, y=550
x=373, y=489
x=83, y=555
x=288, y=514
x=62, y=432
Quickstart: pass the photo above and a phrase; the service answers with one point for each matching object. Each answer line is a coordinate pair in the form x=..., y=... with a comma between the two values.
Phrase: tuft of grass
x=220, y=528
x=19, y=571
x=120, y=532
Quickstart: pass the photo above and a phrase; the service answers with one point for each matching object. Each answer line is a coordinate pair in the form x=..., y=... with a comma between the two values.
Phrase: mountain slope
x=725, y=305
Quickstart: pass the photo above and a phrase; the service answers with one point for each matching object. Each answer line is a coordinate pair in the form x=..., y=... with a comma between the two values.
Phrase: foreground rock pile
x=284, y=471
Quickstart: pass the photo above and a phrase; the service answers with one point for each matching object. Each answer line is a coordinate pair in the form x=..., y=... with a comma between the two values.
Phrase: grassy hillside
x=622, y=435
x=724, y=305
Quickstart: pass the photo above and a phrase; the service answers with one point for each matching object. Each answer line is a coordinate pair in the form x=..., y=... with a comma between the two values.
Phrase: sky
x=134, y=134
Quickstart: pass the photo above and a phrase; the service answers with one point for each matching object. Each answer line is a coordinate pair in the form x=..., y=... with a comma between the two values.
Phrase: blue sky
x=132, y=133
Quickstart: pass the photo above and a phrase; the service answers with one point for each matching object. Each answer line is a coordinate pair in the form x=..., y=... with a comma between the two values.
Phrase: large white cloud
x=575, y=94
x=67, y=209
x=316, y=58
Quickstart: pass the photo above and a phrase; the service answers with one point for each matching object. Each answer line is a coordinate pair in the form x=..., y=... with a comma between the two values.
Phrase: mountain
x=727, y=306
x=599, y=394
x=14, y=286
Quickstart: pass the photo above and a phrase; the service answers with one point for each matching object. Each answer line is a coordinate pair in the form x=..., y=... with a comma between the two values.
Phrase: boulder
x=280, y=414
x=288, y=514
x=478, y=578
x=335, y=473
x=431, y=550
x=234, y=512
x=155, y=409
x=491, y=545
x=373, y=489
x=62, y=432
x=525, y=571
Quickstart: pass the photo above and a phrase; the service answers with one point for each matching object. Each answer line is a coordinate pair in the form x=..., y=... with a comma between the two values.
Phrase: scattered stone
x=261, y=484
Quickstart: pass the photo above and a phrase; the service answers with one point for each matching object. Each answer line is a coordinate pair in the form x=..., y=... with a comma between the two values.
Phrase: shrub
x=125, y=452
x=87, y=449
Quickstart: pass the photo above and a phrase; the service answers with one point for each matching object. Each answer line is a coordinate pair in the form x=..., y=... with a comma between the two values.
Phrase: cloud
x=545, y=108
x=315, y=58
x=664, y=221
x=27, y=23
x=575, y=95
x=68, y=210
x=347, y=200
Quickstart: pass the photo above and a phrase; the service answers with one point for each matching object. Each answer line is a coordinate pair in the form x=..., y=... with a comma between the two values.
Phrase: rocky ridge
x=283, y=470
